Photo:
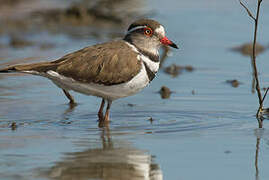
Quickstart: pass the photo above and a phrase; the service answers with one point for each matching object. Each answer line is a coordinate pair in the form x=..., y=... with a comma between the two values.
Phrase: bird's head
x=148, y=35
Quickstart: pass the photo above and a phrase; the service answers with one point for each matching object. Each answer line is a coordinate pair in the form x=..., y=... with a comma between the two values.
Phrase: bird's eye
x=147, y=31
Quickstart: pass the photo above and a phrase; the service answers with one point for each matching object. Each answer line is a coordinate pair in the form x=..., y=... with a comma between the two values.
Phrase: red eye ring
x=147, y=31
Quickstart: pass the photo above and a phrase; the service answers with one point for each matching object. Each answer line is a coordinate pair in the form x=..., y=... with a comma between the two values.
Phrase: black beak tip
x=173, y=45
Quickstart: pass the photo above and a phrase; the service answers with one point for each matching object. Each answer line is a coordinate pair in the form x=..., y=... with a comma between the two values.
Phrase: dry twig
x=255, y=71
x=248, y=11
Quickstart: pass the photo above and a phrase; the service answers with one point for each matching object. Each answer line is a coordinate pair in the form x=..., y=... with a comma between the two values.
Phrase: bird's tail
x=37, y=67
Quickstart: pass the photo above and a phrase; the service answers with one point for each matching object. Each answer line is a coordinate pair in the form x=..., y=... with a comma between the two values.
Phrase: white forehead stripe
x=160, y=30
x=135, y=28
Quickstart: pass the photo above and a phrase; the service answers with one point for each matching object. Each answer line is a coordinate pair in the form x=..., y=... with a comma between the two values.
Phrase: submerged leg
x=100, y=112
x=71, y=99
x=109, y=102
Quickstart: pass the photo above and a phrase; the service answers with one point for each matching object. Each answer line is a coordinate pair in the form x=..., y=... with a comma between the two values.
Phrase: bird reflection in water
x=112, y=161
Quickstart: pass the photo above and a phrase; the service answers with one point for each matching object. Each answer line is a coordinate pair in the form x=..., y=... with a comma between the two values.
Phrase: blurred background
x=196, y=120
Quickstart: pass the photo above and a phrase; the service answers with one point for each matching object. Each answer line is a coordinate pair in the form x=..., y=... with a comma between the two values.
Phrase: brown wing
x=108, y=63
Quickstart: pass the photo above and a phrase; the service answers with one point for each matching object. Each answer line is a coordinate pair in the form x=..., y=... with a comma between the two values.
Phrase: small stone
x=151, y=120
x=189, y=68
x=247, y=49
x=131, y=105
x=165, y=92
x=174, y=70
x=13, y=126
x=234, y=83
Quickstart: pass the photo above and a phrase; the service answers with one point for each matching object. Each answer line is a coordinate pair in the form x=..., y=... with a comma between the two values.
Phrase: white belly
x=112, y=92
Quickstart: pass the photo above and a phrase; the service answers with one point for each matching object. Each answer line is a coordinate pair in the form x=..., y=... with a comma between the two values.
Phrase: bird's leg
x=109, y=102
x=104, y=121
x=68, y=95
x=100, y=112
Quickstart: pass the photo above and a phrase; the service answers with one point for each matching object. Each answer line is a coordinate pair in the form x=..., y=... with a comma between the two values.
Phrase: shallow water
x=211, y=134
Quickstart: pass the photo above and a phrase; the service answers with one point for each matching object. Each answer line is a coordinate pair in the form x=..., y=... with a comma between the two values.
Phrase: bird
x=109, y=70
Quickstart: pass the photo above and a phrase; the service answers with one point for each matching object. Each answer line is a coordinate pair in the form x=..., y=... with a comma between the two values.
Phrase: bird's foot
x=103, y=120
x=72, y=104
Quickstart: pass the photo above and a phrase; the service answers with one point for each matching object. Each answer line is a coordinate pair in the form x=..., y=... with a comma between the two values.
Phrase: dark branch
x=265, y=94
x=248, y=11
x=254, y=66
x=254, y=55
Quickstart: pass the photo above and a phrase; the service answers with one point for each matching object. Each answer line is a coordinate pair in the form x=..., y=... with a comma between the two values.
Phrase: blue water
x=211, y=134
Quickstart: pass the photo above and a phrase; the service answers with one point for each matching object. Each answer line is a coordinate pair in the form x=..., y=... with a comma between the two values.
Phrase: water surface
x=209, y=134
